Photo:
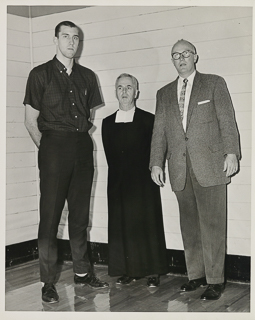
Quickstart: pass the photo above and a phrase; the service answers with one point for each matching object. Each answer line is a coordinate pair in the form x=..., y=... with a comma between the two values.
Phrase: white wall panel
x=17, y=84
x=101, y=172
x=25, y=189
x=245, y=137
x=22, y=234
x=18, y=175
x=240, y=246
x=23, y=204
x=15, y=99
x=172, y=224
x=99, y=205
x=242, y=101
x=17, y=129
x=17, y=23
x=234, y=210
x=15, y=160
x=83, y=17
x=174, y=240
x=237, y=229
x=246, y=157
x=244, y=178
x=19, y=220
x=15, y=68
x=163, y=20
x=15, y=114
x=99, y=219
x=244, y=120
x=239, y=193
x=15, y=53
x=18, y=38
x=15, y=145
x=96, y=234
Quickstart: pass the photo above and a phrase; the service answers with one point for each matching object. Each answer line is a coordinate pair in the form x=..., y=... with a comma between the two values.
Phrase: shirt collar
x=60, y=65
x=128, y=111
x=190, y=78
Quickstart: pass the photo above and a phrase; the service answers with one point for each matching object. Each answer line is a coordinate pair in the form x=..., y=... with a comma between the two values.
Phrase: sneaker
x=91, y=281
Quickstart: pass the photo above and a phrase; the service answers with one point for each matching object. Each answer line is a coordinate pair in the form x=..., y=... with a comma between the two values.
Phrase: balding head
x=185, y=42
x=184, y=58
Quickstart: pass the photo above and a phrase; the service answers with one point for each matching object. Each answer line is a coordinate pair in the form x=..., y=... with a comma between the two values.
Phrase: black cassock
x=136, y=237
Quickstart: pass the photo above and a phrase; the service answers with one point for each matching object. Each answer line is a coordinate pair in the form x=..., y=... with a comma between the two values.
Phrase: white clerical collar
x=190, y=78
x=125, y=116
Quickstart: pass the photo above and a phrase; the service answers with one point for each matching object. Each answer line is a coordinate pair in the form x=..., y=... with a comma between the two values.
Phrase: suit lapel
x=193, y=97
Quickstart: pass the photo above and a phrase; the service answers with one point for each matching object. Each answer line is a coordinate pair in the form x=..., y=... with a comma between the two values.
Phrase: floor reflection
x=136, y=297
x=96, y=300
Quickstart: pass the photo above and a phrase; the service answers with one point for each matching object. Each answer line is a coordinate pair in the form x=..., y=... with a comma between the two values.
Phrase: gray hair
x=182, y=40
x=127, y=75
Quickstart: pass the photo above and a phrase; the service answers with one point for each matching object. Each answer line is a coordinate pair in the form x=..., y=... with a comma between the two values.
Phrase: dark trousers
x=66, y=172
x=203, y=227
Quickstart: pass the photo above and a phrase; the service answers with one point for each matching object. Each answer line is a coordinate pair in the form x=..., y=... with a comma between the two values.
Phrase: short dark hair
x=64, y=23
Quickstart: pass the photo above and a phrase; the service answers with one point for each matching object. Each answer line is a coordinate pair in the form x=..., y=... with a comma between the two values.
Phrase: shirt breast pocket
x=205, y=112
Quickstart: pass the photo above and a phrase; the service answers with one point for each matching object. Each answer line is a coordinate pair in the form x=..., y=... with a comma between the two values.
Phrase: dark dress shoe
x=125, y=280
x=213, y=292
x=91, y=281
x=193, y=284
x=49, y=293
x=153, y=282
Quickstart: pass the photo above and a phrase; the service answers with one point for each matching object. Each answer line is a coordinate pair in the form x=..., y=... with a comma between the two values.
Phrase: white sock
x=81, y=274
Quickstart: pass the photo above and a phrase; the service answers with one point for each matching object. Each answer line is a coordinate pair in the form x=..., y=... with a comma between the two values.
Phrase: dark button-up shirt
x=64, y=101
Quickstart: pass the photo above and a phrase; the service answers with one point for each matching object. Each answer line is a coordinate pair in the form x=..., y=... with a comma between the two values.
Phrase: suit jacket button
x=186, y=139
x=184, y=154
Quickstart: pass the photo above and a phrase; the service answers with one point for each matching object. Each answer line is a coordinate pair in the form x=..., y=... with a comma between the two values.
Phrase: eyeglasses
x=184, y=54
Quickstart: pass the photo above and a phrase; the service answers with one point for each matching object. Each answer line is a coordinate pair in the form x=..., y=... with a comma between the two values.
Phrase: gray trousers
x=203, y=227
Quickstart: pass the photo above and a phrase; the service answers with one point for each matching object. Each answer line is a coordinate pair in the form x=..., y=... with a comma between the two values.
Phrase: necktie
x=182, y=97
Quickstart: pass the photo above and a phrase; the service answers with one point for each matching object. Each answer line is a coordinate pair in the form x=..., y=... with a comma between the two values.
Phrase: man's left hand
x=230, y=164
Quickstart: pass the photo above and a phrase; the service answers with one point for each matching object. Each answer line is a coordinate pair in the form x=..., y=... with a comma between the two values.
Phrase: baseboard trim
x=237, y=268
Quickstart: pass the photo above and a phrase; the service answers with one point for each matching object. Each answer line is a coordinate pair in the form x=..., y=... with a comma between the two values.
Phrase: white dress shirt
x=125, y=116
x=187, y=95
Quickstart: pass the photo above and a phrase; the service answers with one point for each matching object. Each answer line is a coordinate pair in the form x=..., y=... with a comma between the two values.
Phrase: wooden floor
x=23, y=293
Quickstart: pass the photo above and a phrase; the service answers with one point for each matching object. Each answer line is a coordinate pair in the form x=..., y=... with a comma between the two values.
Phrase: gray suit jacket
x=211, y=132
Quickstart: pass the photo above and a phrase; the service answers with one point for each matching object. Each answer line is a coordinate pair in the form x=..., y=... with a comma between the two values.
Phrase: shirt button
x=71, y=91
x=61, y=71
x=75, y=116
x=73, y=104
x=77, y=129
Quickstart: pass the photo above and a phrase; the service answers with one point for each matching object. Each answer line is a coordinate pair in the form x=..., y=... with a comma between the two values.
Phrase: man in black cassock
x=136, y=237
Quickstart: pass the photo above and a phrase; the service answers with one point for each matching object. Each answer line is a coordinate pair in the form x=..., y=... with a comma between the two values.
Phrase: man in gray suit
x=195, y=130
